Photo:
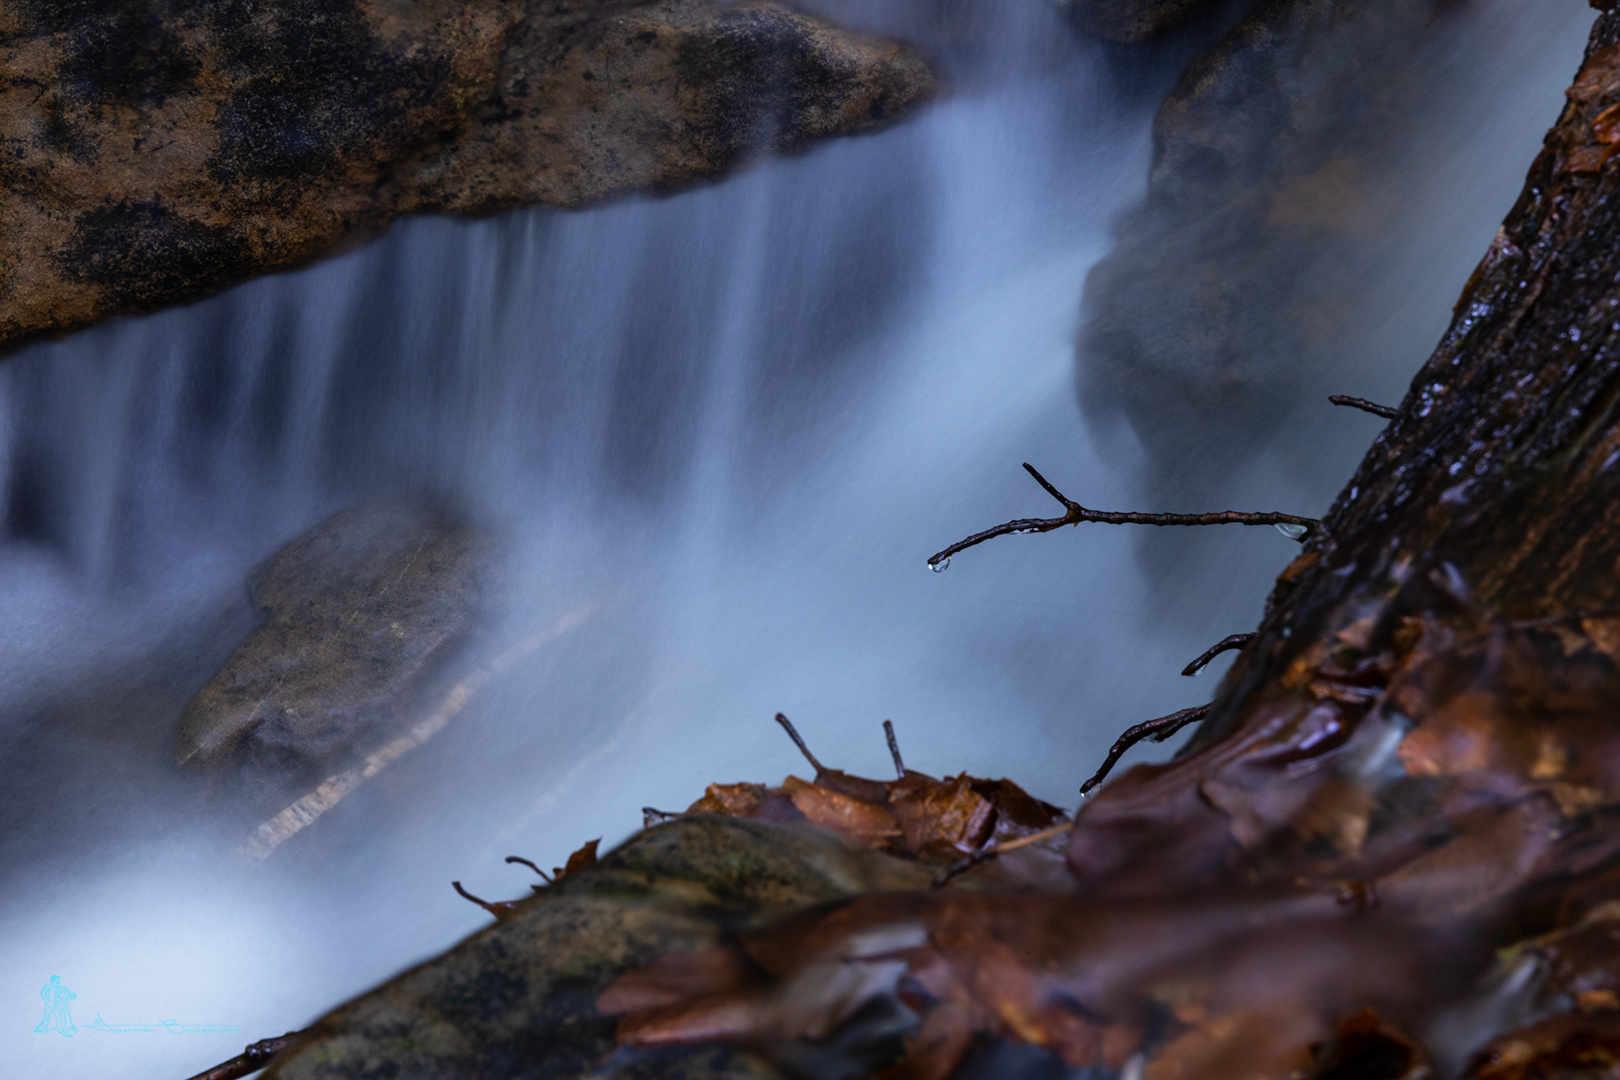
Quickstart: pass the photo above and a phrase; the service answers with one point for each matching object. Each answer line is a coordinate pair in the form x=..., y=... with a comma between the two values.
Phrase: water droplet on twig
x=939, y=567
x=1293, y=532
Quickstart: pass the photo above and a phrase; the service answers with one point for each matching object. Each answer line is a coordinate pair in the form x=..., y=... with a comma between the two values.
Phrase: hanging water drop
x=939, y=567
x=1292, y=531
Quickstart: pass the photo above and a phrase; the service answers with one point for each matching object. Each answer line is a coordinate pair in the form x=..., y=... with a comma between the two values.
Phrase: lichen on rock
x=518, y=998
x=152, y=152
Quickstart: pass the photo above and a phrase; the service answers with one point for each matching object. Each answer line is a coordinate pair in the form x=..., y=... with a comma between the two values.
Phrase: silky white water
x=731, y=424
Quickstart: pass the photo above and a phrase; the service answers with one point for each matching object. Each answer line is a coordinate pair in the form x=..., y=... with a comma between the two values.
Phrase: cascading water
x=730, y=423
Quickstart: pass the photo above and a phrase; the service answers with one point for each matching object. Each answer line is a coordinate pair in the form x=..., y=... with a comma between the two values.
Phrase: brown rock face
x=362, y=608
x=153, y=151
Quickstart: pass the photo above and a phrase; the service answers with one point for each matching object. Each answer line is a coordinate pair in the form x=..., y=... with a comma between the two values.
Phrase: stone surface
x=518, y=999
x=1281, y=178
x=361, y=610
x=1134, y=20
x=153, y=151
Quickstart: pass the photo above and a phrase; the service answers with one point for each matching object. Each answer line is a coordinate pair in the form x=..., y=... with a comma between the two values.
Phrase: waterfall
x=731, y=423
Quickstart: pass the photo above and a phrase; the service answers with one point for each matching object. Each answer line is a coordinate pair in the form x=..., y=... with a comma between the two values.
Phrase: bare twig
x=894, y=749
x=985, y=854
x=1075, y=513
x=1234, y=641
x=1157, y=730
x=251, y=1060
x=499, y=908
x=1388, y=412
x=520, y=859
x=793, y=733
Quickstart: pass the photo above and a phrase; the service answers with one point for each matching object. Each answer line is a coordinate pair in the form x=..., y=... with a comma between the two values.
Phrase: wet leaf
x=583, y=859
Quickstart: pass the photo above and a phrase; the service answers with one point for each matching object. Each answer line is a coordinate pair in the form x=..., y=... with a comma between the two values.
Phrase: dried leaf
x=946, y=815
x=1571, y=1046
x=583, y=859
x=1457, y=739
x=1605, y=634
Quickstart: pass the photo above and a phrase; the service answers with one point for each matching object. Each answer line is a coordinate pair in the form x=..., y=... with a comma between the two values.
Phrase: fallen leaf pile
x=913, y=816
x=1403, y=857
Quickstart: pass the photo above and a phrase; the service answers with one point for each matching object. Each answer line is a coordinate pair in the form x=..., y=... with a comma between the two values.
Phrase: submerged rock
x=519, y=998
x=157, y=150
x=363, y=608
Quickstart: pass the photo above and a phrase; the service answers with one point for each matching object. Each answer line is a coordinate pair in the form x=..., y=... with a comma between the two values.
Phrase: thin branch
x=1157, y=730
x=793, y=733
x=1388, y=412
x=1235, y=641
x=894, y=748
x=499, y=908
x=985, y=854
x=1074, y=514
x=530, y=865
x=251, y=1060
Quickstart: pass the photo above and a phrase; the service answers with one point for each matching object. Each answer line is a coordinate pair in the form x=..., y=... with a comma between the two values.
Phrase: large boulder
x=362, y=611
x=154, y=151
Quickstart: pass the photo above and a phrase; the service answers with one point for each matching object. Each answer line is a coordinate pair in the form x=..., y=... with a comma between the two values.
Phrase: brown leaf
x=1605, y=634
x=1570, y=1045
x=677, y=977
x=1365, y=1046
x=871, y=824
x=947, y=815
x=1457, y=739
x=735, y=800
x=583, y=859
x=1236, y=1046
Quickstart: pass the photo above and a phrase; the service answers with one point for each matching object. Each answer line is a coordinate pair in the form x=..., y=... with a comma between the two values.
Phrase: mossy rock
x=518, y=999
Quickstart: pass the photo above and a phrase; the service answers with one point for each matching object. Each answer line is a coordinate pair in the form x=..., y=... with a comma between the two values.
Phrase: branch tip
x=894, y=748
x=498, y=910
x=1232, y=641
x=1294, y=526
x=1388, y=412
x=1158, y=730
x=530, y=865
x=793, y=733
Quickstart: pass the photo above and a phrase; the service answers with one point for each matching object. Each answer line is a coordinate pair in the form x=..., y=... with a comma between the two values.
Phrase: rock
x=1272, y=203
x=1131, y=21
x=363, y=608
x=519, y=998
x=155, y=151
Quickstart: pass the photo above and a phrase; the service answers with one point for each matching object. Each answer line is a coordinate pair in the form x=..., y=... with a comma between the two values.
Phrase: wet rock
x=1275, y=198
x=362, y=610
x=156, y=150
x=519, y=998
x=1134, y=20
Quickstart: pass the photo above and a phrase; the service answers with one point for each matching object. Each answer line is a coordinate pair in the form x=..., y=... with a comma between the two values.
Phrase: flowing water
x=728, y=425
